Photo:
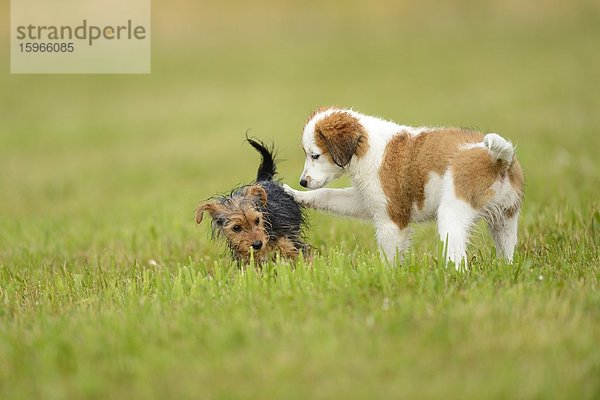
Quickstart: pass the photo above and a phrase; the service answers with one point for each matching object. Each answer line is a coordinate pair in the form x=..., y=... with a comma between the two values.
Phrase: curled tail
x=499, y=148
x=266, y=170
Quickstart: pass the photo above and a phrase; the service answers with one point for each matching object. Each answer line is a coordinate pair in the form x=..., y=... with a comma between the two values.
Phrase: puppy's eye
x=236, y=228
x=315, y=156
x=256, y=221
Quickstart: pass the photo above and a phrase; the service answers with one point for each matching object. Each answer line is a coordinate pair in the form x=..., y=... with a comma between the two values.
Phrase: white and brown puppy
x=402, y=174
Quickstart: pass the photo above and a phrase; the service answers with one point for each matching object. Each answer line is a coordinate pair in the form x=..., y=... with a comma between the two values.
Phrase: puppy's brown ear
x=258, y=192
x=210, y=207
x=342, y=136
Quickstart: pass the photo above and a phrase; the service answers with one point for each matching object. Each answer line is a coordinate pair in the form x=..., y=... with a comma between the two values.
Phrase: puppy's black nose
x=257, y=245
x=303, y=182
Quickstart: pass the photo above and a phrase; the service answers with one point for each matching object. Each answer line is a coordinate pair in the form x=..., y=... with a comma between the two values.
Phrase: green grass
x=109, y=290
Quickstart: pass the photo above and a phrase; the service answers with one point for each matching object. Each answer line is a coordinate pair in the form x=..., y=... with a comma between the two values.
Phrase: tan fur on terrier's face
x=245, y=230
x=239, y=220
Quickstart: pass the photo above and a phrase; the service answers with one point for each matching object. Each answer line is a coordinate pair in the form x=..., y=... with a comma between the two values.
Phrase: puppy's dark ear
x=210, y=207
x=258, y=192
x=342, y=136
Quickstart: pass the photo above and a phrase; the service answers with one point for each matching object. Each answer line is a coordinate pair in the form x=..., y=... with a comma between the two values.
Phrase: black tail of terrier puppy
x=261, y=218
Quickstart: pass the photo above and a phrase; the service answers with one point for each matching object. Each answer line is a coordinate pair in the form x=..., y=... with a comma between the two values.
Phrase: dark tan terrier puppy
x=260, y=219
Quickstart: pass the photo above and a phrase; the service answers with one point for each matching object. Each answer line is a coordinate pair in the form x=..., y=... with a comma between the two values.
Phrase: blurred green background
x=128, y=149
x=106, y=170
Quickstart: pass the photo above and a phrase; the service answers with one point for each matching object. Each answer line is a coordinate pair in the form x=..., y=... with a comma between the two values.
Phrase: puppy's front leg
x=347, y=202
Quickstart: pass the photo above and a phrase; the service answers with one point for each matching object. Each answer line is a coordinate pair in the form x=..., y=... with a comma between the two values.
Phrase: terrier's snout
x=303, y=183
x=257, y=245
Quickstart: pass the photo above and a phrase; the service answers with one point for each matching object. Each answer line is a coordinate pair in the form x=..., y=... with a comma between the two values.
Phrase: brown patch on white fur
x=474, y=172
x=341, y=136
x=408, y=161
x=317, y=111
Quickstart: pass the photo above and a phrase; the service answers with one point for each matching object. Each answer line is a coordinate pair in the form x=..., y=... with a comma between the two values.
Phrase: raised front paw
x=289, y=190
x=296, y=194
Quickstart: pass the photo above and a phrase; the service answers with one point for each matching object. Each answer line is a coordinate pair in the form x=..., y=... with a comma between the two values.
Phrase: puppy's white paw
x=299, y=196
x=289, y=190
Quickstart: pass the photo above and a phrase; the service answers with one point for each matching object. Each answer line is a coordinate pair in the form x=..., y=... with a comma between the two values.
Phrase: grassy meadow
x=108, y=289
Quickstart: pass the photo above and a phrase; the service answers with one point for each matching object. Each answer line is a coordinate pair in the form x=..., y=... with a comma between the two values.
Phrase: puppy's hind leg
x=392, y=240
x=455, y=219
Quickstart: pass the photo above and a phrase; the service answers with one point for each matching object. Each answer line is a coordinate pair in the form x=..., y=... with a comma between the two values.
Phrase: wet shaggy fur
x=260, y=219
